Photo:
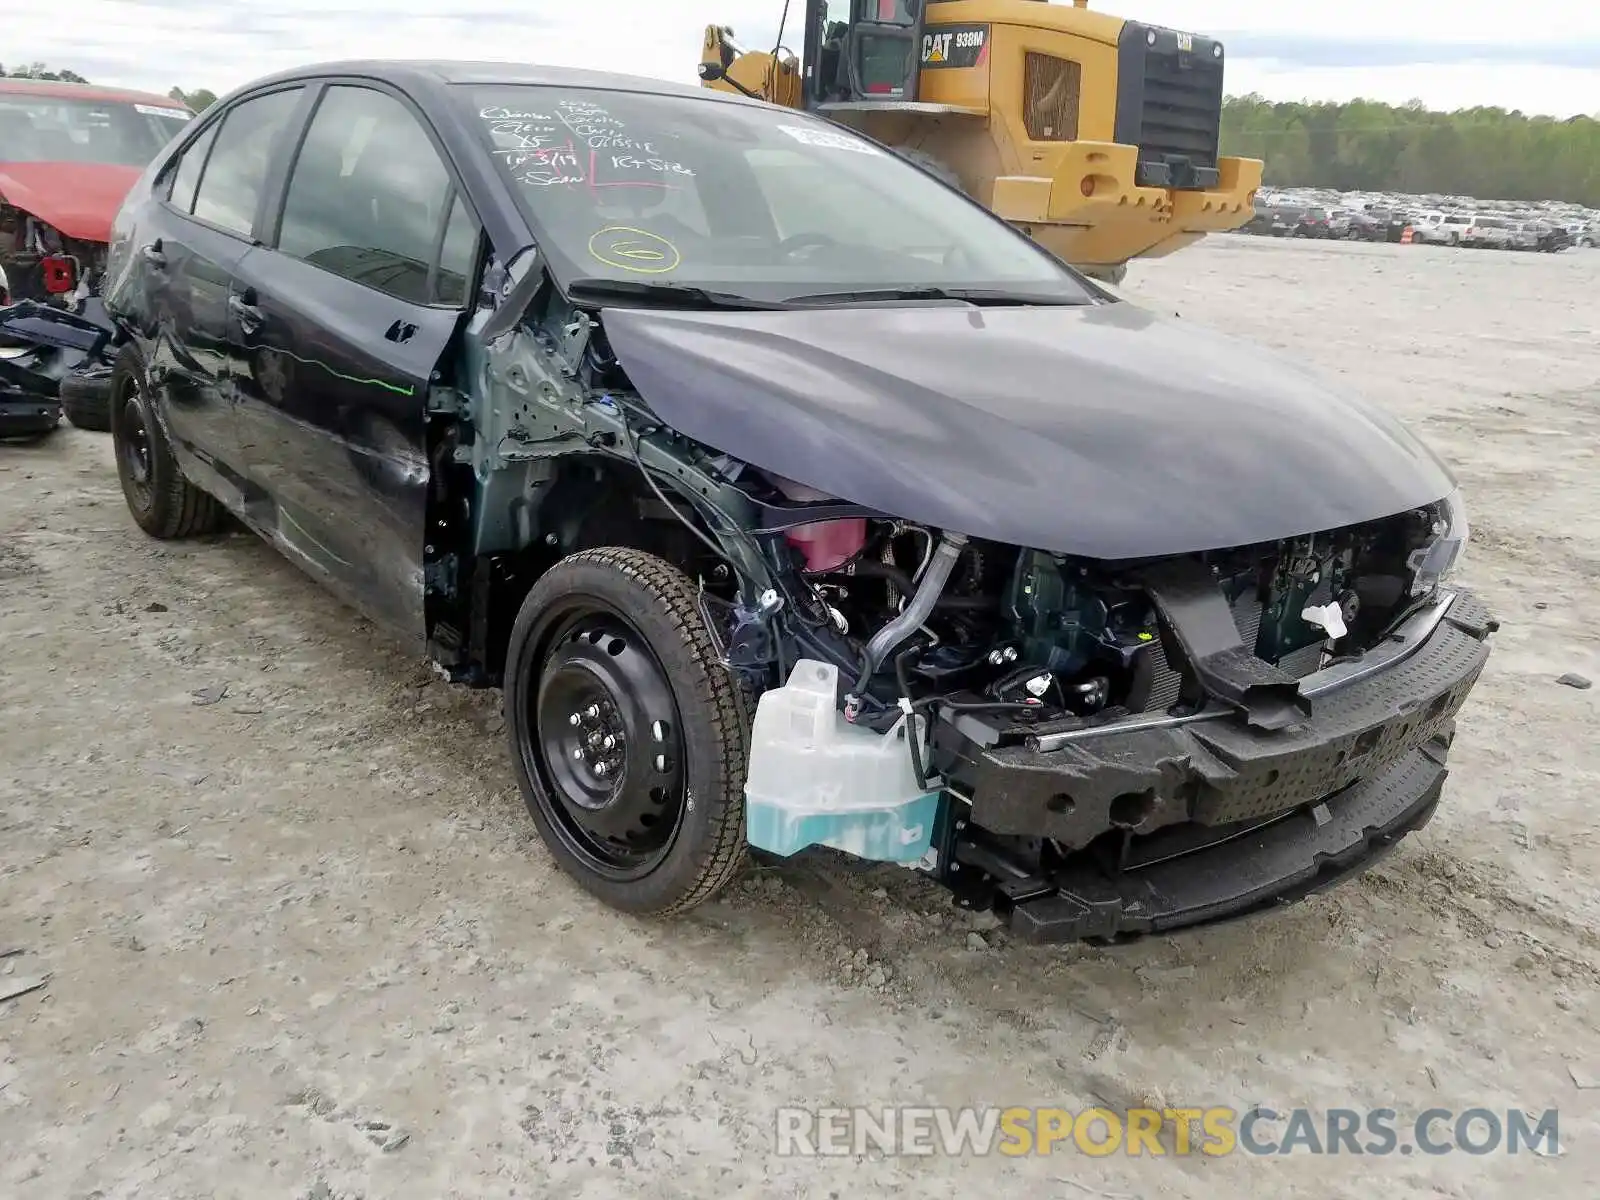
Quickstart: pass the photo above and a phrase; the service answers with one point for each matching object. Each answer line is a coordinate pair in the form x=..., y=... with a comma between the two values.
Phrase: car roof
x=443, y=72
x=13, y=85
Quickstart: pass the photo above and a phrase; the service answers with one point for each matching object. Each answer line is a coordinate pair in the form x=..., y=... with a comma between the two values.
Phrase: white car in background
x=1488, y=233
x=1428, y=228
x=1524, y=235
x=1454, y=225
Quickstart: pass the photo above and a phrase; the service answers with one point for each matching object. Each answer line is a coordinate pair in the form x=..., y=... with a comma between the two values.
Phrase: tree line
x=1487, y=153
x=199, y=100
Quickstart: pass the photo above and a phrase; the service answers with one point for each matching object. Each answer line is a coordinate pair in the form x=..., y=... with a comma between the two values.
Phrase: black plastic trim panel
x=1267, y=868
x=1219, y=771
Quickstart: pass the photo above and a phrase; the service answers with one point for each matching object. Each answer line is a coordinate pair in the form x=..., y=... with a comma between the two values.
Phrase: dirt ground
x=301, y=942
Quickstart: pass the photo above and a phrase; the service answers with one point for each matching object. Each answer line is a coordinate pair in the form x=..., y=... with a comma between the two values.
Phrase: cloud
x=1360, y=47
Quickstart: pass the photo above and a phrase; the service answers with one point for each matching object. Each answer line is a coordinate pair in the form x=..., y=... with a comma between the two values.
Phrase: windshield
x=755, y=202
x=80, y=130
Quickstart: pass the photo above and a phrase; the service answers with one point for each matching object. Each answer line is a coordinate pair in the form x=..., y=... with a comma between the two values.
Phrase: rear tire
x=164, y=504
x=629, y=737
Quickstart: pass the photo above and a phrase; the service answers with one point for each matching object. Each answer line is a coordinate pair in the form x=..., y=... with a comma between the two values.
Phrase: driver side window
x=367, y=199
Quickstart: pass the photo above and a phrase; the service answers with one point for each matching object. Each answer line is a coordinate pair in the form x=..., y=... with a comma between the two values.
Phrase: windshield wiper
x=686, y=295
x=990, y=296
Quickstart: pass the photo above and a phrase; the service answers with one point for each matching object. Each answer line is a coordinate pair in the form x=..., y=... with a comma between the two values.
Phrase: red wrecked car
x=68, y=155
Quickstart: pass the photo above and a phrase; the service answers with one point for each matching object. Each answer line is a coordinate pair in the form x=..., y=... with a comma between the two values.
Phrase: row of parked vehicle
x=1490, y=231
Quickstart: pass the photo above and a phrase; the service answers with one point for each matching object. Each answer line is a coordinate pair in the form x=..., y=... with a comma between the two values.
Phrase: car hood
x=79, y=200
x=1102, y=430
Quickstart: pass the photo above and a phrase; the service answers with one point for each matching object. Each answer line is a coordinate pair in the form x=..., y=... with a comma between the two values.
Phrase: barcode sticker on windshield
x=828, y=139
x=153, y=110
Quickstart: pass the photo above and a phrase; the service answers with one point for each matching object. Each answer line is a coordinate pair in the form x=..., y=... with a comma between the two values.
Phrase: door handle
x=250, y=317
x=152, y=254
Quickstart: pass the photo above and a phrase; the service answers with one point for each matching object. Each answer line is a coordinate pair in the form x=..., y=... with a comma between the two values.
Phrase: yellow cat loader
x=1094, y=135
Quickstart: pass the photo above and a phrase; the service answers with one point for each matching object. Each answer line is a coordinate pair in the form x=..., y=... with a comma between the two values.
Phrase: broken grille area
x=1248, y=611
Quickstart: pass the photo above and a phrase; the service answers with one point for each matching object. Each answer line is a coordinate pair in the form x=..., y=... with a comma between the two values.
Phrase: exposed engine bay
x=43, y=264
x=1045, y=639
x=926, y=695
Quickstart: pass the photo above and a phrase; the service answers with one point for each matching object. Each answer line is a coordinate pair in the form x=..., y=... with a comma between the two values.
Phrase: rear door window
x=236, y=171
x=369, y=198
x=187, y=177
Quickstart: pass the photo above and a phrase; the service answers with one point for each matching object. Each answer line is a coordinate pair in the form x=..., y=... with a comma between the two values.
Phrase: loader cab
x=862, y=52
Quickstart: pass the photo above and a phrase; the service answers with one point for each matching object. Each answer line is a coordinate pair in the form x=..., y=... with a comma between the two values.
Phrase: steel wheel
x=606, y=742
x=628, y=735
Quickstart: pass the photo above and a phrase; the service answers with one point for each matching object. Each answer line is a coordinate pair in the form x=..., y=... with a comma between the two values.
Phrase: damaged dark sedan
x=792, y=498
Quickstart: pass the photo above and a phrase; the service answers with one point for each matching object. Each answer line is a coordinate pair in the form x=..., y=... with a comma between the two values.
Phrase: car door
x=343, y=319
x=200, y=230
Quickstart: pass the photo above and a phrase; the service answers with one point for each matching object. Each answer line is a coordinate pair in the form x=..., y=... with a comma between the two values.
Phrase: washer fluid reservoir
x=816, y=780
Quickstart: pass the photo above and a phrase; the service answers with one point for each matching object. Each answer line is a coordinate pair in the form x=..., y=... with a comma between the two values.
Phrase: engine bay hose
x=917, y=611
x=870, y=569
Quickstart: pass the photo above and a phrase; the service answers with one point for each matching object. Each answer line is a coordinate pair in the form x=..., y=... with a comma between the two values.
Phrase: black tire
x=86, y=400
x=610, y=644
x=164, y=504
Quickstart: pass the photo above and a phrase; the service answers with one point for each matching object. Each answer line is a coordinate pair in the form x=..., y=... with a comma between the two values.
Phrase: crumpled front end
x=42, y=263
x=1101, y=750
x=1146, y=648
x=1151, y=823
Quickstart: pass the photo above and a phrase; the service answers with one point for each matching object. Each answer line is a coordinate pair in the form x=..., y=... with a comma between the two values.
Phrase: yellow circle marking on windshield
x=637, y=250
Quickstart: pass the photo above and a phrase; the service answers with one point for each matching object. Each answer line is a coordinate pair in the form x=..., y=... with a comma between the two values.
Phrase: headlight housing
x=1433, y=562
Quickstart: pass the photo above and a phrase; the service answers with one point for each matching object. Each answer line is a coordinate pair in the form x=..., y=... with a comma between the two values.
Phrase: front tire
x=628, y=736
x=164, y=504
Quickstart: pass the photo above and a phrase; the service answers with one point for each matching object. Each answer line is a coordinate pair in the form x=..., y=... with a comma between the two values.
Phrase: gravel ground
x=300, y=941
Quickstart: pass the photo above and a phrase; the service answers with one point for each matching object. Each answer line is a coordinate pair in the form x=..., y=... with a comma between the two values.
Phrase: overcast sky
x=1538, y=55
